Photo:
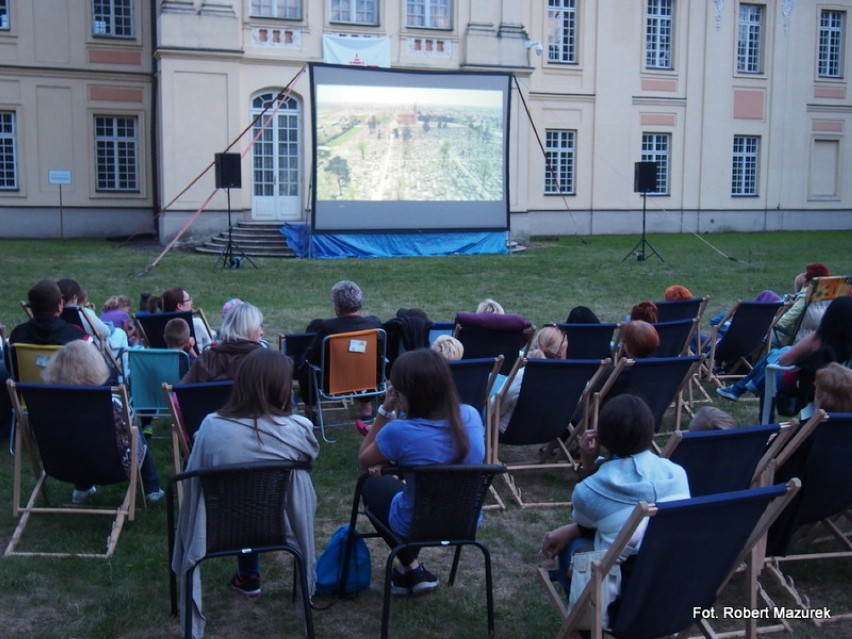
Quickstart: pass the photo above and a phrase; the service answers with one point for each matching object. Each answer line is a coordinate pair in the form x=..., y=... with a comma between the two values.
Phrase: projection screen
x=398, y=151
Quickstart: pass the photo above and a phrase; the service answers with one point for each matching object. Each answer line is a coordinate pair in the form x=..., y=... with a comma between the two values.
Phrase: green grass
x=127, y=596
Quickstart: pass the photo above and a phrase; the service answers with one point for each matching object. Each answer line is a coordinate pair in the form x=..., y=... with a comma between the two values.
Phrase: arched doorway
x=276, y=158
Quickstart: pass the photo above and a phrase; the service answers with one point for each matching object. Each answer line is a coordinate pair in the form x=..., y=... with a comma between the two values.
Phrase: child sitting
x=177, y=336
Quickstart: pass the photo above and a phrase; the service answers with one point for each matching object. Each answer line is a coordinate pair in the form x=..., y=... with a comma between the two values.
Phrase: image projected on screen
x=404, y=150
x=390, y=143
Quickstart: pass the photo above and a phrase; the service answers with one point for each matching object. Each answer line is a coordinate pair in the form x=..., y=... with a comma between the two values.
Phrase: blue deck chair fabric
x=154, y=324
x=674, y=337
x=552, y=392
x=689, y=549
x=721, y=461
x=147, y=370
x=589, y=341
x=74, y=429
x=294, y=345
x=473, y=379
x=673, y=310
x=749, y=327
x=657, y=380
x=493, y=334
x=822, y=463
x=440, y=328
x=550, y=395
x=196, y=401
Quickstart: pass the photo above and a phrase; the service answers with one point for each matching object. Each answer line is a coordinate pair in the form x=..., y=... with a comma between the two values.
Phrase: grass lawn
x=127, y=596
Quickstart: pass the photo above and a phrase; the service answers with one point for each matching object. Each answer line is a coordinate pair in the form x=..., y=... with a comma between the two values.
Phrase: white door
x=276, y=160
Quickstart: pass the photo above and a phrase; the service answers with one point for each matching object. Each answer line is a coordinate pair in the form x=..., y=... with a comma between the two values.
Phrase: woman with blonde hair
x=833, y=388
x=489, y=305
x=79, y=363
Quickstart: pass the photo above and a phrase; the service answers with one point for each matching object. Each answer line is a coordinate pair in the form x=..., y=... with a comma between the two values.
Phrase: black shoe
x=421, y=580
x=248, y=585
x=400, y=583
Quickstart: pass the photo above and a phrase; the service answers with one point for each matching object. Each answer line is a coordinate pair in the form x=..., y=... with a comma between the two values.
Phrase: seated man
x=348, y=300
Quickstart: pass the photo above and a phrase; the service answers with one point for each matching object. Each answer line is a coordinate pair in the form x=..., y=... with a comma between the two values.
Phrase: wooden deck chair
x=189, y=404
x=746, y=340
x=590, y=341
x=689, y=551
x=673, y=310
x=27, y=362
x=474, y=379
x=658, y=380
x=819, y=455
x=820, y=292
x=152, y=325
x=493, y=334
x=74, y=434
x=352, y=367
x=147, y=370
x=675, y=337
x=26, y=307
x=552, y=393
x=75, y=315
x=447, y=505
x=719, y=461
x=245, y=509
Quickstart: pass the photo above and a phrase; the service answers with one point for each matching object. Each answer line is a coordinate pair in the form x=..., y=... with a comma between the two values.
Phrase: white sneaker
x=80, y=496
x=155, y=496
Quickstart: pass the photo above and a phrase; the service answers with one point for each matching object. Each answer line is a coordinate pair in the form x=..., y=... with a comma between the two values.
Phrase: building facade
x=111, y=111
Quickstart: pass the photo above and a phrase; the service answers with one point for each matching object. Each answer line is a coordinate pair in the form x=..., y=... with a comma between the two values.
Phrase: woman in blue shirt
x=435, y=429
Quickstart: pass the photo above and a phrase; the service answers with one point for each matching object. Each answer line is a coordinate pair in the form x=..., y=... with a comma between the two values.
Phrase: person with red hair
x=792, y=327
x=645, y=311
x=676, y=292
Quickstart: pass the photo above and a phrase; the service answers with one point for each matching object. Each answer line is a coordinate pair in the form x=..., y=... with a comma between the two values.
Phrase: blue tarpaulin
x=338, y=245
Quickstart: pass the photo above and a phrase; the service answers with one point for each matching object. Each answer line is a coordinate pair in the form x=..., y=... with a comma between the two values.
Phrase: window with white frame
x=562, y=31
x=832, y=25
x=355, y=11
x=8, y=152
x=431, y=14
x=656, y=147
x=744, y=165
x=659, y=30
x=117, y=153
x=4, y=15
x=750, y=40
x=112, y=18
x=283, y=9
x=559, y=155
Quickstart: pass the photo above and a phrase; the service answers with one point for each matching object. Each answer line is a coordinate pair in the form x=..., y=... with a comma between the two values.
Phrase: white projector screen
x=398, y=151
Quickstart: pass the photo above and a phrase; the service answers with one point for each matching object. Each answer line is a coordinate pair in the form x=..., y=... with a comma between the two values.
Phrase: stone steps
x=255, y=239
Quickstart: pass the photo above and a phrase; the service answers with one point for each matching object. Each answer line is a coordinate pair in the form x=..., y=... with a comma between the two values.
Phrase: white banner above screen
x=398, y=151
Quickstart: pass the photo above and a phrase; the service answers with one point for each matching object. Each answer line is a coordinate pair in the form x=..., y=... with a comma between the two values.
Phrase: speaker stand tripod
x=232, y=255
x=642, y=245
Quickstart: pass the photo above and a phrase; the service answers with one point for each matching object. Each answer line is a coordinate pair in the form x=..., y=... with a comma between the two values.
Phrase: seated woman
x=611, y=487
x=256, y=424
x=449, y=347
x=489, y=305
x=79, y=363
x=240, y=334
x=645, y=311
x=436, y=429
x=639, y=339
x=582, y=315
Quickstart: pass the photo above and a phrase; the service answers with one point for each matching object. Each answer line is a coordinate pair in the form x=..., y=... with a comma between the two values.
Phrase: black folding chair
x=245, y=511
x=589, y=341
x=448, y=501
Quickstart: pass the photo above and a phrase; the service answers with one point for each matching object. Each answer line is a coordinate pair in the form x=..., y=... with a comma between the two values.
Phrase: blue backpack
x=330, y=565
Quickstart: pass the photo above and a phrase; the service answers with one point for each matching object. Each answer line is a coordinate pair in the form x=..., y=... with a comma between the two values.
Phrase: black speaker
x=228, y=174
x=645, y=177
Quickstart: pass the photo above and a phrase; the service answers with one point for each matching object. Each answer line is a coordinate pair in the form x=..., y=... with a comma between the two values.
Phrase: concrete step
x=255, y=239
